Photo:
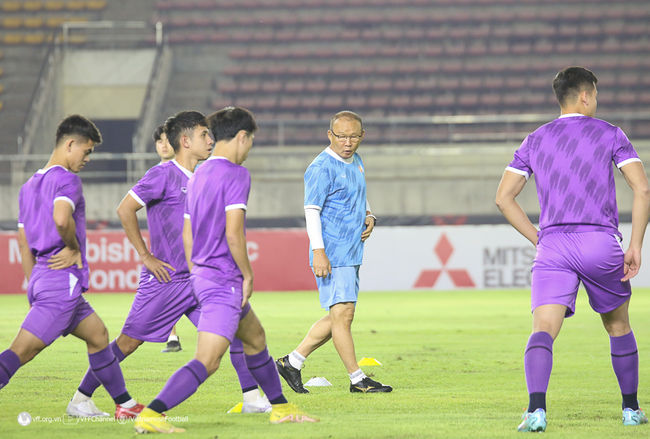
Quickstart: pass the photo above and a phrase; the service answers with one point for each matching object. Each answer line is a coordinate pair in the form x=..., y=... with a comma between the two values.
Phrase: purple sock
x=538, y=362
x=246, y=380
x=90, y=383
x=625, y=360
x=263, y=369
x=107, y=370
x=181, y=385
x=9, y=364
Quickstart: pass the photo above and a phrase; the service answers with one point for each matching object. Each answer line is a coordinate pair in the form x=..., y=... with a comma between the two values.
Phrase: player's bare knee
x=255, y=342
x=97, y=339
x=342, y=315
x=26, y=353
x=127, y=344
x=618, y=328
x=211, y=364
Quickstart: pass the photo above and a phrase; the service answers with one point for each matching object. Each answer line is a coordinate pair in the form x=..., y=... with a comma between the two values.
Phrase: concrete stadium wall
x=426, y=180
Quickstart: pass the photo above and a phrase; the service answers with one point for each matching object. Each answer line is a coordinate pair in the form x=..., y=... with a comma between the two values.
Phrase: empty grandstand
x=447, y=88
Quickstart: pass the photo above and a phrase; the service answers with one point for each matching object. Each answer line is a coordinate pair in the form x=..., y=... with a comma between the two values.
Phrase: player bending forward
x=215, y=248
x=165, y=291
x=52, y=238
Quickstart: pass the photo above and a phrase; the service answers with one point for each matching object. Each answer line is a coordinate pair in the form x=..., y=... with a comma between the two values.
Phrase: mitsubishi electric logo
x=459, y=276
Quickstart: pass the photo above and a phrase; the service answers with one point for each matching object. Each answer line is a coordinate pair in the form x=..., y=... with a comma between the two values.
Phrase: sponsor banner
x=396, y=258
x=279, y=259
x=455, y=258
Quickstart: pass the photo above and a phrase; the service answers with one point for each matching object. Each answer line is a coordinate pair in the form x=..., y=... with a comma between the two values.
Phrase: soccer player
x=166, y=153
x=163, y=148
x=578, y=239
x=52, y=239
x=339, y=220
x=215, y=247
x=165, y=291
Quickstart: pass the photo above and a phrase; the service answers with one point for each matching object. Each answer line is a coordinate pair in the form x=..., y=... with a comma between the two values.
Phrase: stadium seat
x=294, y=86
x=289, y=103
x=317, y=86
x=33, y=22
x=54, y=22
x=272, y=87
x=32, y=5
x=12, y=22
x=356, y=102
x=246, y=102
x=11, y=6
x=12, y=39
x=250, y=87
x=75, y=5
x=400, y=102
x=95, y=5
x=266, y=103
x=54, y=5
x=332, y=103
x=35, y=38
x=227, y=88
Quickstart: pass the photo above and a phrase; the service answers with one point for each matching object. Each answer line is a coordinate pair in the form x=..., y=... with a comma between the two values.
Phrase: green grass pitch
x=455, y=360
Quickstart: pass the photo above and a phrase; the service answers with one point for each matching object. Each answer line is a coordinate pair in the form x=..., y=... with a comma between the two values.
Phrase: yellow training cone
x=236, y=409
x=369, y=362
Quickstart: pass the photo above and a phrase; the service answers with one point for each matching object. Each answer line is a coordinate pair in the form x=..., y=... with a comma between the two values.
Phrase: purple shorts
x=565, y=259
x=57, y=305
x=221, y=308
x=157, y=307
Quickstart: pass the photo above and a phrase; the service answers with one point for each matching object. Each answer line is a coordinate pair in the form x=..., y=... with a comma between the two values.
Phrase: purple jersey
x=571, y=158
x=35, y=214
x=217, y=186
x=162, y=190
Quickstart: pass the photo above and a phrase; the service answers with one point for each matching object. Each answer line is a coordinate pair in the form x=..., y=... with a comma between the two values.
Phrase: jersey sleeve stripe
x=313, y=206
x=136, y=198
x=67, y=200
x=21, y=225
x=518, y=171
x=628, y=161
x=235, y=206
x=186, y=216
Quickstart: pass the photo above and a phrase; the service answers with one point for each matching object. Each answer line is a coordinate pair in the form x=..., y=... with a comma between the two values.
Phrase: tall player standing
x=52, y=239
x=578, y=240
x=165, y=291
x=215, y=247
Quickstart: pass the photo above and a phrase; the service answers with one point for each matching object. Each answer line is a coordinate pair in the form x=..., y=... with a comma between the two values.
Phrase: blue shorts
x=340, y=286
x=564, y=260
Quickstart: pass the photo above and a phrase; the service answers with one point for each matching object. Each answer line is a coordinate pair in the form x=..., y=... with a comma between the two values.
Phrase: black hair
x=182, y=123
x=227, y=122
x=77, y=125
x=158, y=132
x=571, y=81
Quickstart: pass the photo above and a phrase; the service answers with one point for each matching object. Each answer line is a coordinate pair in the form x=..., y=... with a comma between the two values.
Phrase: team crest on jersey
x=184, y=190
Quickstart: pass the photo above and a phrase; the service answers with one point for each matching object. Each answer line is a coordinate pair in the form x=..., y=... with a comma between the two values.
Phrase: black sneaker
x=290, y=374
x=367, y=385
x=173, y=346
